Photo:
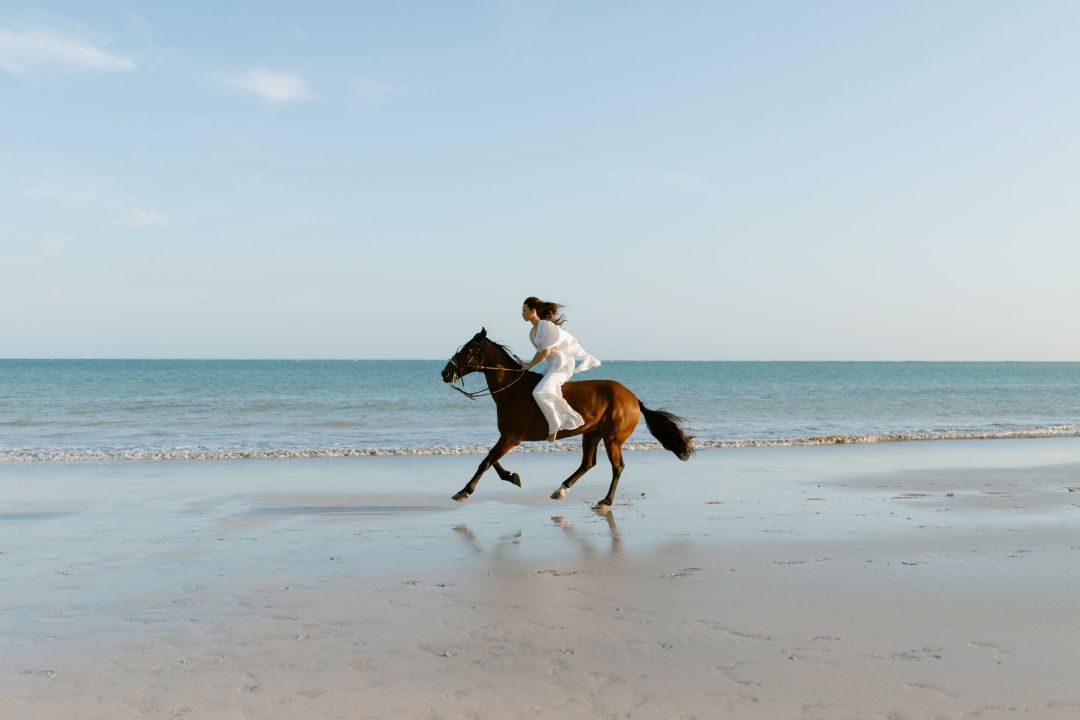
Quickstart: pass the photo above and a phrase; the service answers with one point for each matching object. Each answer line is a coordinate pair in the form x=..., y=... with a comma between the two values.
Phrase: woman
x=561, y=350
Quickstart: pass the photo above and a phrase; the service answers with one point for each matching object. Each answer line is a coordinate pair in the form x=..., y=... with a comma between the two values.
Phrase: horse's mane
x=507, y=351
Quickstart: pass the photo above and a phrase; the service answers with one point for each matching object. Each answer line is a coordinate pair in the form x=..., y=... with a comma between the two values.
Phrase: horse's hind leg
x=614, y=453
x=506, y=475
x=501, y=448
x=589, y=443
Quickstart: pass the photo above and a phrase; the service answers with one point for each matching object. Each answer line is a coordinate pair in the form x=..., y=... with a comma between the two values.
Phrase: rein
x=486, y=392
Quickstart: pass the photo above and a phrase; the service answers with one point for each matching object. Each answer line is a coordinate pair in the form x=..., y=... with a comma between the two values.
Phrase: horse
x=610, y=410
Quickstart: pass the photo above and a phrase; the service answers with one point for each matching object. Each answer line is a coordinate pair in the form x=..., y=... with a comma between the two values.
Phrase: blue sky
x=775, y=180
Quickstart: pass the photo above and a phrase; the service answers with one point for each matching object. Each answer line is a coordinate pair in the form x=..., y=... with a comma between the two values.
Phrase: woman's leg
x=557, y=412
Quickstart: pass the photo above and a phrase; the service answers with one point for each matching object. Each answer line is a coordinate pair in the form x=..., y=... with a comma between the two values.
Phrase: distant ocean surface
x=78, y=410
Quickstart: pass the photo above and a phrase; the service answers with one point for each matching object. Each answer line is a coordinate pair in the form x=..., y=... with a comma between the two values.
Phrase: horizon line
x=414, y=359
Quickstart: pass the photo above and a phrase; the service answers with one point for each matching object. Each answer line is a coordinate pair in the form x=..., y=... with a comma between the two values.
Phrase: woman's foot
x=551, y=437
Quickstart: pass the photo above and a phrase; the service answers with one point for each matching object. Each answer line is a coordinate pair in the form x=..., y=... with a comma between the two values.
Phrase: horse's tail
x=667, y=428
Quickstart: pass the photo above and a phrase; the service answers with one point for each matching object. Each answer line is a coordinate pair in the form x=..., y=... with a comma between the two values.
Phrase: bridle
x=464, y=368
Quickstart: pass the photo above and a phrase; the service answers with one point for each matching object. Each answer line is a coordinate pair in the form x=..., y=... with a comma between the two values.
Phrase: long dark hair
x=546, y=310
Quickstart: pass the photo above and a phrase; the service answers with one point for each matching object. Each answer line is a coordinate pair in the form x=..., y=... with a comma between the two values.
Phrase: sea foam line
x=82, y=455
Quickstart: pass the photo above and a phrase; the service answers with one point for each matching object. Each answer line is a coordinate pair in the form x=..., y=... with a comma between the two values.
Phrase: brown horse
x=610, y=410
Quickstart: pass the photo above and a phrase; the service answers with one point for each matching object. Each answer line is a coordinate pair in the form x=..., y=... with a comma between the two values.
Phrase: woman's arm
x=539, y=357
x=547, y=335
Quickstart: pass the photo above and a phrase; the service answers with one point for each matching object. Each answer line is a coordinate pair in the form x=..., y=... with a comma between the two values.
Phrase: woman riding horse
x=562, y=351
x=608, y=411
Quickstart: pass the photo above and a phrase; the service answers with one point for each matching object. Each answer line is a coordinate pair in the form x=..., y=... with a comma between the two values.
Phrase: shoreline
x=877, y=581
x=13, y=456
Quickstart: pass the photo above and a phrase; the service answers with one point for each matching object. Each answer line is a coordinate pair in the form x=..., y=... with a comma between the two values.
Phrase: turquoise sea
x=78, y=410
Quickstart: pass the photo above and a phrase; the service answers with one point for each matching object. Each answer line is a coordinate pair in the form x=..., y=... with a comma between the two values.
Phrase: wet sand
x=915, y=580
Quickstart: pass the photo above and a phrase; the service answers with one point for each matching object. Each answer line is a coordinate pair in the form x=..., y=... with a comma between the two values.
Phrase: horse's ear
x=483, y=332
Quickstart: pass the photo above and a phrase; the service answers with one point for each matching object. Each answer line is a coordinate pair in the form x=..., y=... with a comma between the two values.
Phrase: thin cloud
x=33, y=246
x=371, y=91
x=671, y=178
x=89, y=202
x=275, y=87
x=77, y=194
x=143, y=218
x=684, y=179
x=28, y=52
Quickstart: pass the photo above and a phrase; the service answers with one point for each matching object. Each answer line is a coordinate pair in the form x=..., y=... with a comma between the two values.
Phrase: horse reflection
x=586, y=542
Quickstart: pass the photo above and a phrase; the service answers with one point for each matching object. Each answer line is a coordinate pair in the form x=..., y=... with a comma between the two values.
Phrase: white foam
x=182, y=454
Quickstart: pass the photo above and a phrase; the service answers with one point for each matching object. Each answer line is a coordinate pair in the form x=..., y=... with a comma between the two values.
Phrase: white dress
x=561, y=363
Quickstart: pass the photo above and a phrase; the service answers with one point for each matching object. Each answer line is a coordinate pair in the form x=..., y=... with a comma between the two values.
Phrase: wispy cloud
x=68, y=194
x=370, y=90
x=275, y=87
x=24, y=246
x=143, y=218
x=683, y=179
x=671, y=178
x=27, y=52
x=91, y=203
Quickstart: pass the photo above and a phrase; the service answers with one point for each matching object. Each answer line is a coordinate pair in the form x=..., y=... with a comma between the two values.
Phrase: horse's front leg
x=510, y=477
x=589, y=443
x=501, y=448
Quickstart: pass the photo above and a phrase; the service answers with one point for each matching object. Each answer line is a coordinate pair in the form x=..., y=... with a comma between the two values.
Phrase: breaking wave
x=81, y=455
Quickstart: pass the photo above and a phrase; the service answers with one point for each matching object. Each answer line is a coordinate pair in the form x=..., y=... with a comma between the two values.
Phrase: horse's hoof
x=461, y=496
x=559, y=494
x=604, y=504
x=515, y=479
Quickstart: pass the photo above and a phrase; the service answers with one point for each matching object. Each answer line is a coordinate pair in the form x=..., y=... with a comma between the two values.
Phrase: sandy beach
x=913, y=580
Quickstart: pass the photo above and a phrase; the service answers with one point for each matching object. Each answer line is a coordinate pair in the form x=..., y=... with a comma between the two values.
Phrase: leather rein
x=462, y=370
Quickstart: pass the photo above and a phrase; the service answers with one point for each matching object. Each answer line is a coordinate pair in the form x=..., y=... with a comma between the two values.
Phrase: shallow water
x=190, y=409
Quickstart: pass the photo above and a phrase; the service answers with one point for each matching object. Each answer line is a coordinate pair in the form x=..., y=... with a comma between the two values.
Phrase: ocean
x=87, y=410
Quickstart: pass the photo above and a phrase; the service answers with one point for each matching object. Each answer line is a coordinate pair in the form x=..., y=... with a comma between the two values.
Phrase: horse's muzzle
x=450, y=373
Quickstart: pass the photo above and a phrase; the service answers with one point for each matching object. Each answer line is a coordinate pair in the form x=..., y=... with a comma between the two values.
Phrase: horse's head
x=466, y=360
